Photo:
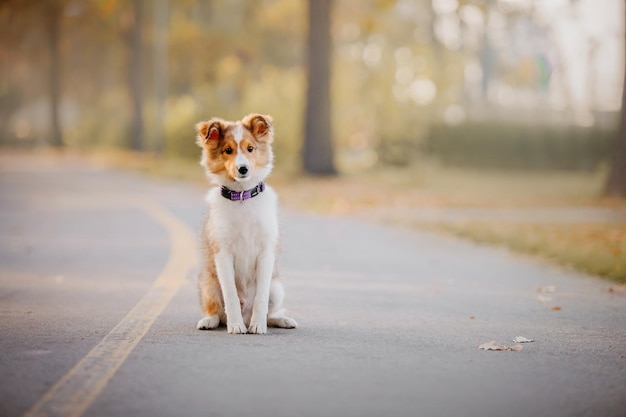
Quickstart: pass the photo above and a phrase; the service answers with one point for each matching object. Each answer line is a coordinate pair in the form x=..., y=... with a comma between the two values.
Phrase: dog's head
x=237, y=153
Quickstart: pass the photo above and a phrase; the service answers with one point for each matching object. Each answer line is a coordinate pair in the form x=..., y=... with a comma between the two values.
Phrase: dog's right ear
x=212, y=130
x=260, y=125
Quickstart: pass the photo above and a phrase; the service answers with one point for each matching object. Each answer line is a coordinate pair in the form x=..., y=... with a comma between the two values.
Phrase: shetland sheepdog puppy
x=239, y=284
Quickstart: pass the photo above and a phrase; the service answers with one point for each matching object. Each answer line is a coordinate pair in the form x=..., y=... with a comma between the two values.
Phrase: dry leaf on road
x=492, y=345
x=522, y=339
x=548, y=289
x=617, y=289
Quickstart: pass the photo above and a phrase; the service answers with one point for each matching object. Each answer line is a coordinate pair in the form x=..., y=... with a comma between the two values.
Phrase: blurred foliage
x=473, y=82
x=225, y=59
x=521, y=146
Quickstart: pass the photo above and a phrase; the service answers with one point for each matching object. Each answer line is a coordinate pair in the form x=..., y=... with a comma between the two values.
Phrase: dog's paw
x=282, y=322
x=257, y=328
x=209, y=322
x=236, y=328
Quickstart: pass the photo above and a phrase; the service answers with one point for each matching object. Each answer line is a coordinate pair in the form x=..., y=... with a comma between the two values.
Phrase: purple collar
x=243, y=195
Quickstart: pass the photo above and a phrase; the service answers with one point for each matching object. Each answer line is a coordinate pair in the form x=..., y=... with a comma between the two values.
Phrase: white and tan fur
x=238, y=283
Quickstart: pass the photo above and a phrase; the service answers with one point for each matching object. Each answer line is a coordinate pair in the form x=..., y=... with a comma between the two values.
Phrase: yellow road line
x=72, y=395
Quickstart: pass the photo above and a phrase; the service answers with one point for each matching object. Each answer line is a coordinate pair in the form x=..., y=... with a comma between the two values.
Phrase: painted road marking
x=72, y=395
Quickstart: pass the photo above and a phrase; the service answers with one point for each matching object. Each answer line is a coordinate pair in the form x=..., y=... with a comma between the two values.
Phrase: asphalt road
x=98, y=310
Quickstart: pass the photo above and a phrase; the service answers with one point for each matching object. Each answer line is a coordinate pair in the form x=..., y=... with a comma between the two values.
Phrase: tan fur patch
x=211, y=306
x=263, y=155
x=209, y=288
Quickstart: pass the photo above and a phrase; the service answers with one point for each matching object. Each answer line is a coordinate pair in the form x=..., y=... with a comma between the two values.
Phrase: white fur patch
x=207, y=323
x=236, y=328
x=238, y=133
x=241, y=160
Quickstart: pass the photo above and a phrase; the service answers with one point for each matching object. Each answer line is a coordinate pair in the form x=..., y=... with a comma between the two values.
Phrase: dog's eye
x=250, y=148
x=228, y=151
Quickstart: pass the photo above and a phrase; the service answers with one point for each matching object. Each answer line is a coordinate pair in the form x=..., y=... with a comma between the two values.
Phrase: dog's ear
x=212, y=130
x=260, y=125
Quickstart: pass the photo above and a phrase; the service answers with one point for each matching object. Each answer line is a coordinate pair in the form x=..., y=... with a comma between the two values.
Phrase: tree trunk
x=616, y=182
x=160, y=63
x=53, y=26
x=318, y=143
x=135, y=74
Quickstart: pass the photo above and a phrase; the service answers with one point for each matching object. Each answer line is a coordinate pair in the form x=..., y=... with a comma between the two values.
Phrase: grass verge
x=597, y=249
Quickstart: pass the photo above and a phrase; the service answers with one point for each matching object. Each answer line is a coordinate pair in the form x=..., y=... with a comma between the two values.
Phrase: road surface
x=98, y=309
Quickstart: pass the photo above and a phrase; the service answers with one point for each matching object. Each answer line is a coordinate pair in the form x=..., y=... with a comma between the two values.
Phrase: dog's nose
x=243, y=170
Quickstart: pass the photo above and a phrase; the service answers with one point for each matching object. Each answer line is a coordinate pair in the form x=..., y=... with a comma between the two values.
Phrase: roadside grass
x=595, y=248
x=432, y=185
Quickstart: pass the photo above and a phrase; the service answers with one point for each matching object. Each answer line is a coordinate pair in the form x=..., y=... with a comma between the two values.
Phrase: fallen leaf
x=472, y=317
x=492, y=345
x=522, y=339
x=620, y=289
x=547, y=289
x=556, y=308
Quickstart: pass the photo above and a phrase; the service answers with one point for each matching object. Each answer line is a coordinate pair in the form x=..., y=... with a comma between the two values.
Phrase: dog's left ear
x=260, y=125
x=209, y=132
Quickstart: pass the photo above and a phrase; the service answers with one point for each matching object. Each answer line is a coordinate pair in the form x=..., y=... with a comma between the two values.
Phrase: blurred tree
x=52, y=14
x=135, y=73
x=318, y=142
x=10, y=99
x=160, y=16
x=616, y=183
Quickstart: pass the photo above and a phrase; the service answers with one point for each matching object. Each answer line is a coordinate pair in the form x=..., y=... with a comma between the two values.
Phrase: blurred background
x=531, y=84
x=443, y=103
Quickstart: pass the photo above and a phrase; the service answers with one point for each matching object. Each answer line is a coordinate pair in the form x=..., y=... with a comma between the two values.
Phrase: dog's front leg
x=265, y=267
x=225, y=266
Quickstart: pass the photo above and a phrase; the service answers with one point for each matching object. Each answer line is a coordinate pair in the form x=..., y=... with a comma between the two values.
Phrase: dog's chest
x=247, y=240
x=245, y=229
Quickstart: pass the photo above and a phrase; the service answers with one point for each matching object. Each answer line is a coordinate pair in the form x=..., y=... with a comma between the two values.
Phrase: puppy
x=238, y=283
